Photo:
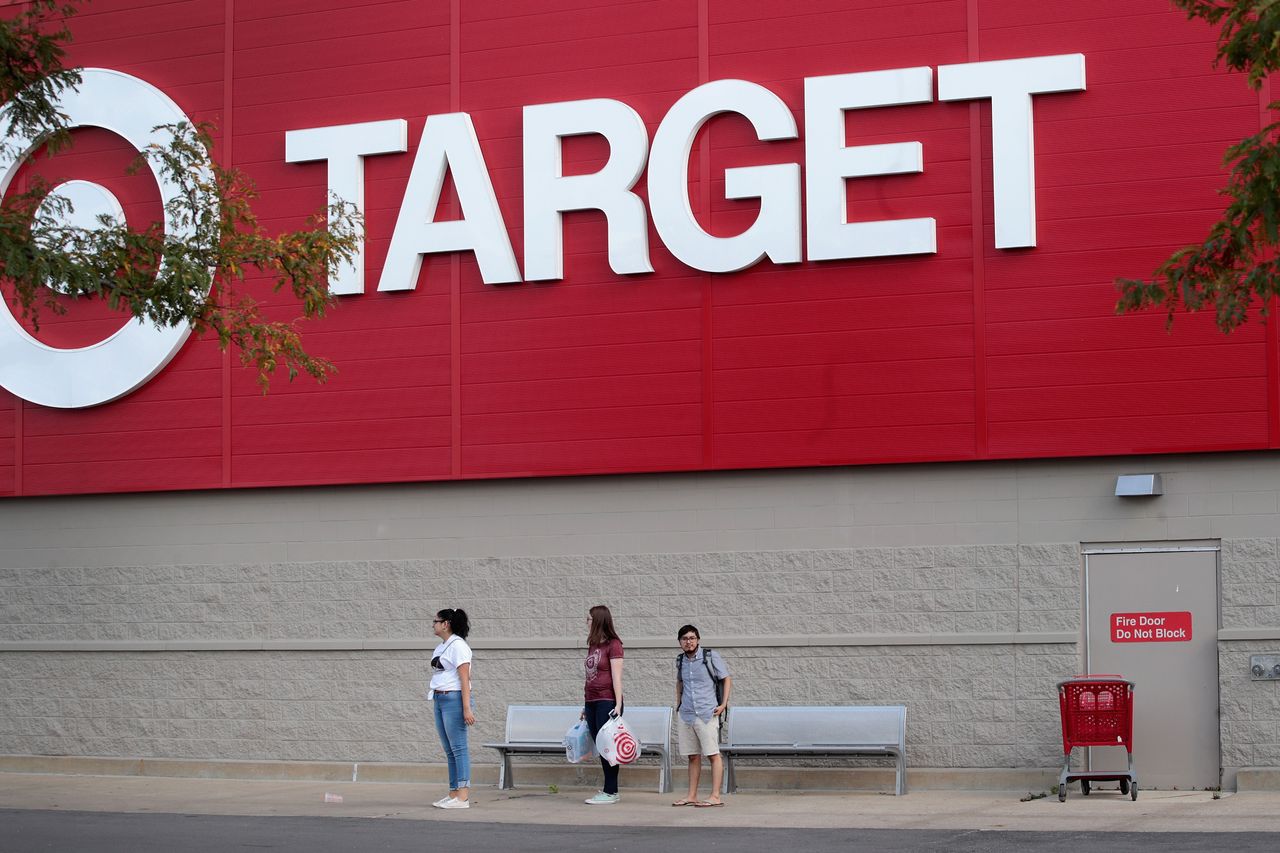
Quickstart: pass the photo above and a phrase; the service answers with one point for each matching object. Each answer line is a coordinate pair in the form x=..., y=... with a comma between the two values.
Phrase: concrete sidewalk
x=1155, y=811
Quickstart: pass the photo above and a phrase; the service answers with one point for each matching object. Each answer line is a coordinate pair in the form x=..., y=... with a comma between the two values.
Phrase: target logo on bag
x=616, y=744
x=625, y=748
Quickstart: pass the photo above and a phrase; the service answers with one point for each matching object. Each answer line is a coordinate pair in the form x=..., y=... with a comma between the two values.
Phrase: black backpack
x=718, y=682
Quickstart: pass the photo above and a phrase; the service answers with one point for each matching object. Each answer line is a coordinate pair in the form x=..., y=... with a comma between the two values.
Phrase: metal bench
x=539, y=730
x=816, y=731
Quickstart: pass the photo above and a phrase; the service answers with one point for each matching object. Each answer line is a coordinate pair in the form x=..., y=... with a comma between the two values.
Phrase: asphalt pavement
x=108, y=832
x=41, y=812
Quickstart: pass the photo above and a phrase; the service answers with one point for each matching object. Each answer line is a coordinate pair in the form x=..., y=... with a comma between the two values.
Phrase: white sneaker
x=602, y=799
x=457, y=804
x=440, y=802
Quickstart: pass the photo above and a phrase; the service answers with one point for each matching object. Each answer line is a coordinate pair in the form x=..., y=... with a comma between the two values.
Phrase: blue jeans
x=597, y=715
x=452, y=729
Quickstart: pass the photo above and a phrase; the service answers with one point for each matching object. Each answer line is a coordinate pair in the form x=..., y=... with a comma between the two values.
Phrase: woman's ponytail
x=458, y=622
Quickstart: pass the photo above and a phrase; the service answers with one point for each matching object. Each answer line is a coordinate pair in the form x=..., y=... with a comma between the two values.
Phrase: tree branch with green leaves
x=200, y=269
x=1235, y=266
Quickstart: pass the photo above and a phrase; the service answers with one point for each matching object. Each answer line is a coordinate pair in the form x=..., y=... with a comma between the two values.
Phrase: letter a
x=449, y=143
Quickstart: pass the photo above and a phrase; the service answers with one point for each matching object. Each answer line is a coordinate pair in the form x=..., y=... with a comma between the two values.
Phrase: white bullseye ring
x=105, y=371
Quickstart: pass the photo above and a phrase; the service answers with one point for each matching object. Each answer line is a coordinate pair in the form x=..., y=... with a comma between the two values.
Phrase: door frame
x=1194, y=546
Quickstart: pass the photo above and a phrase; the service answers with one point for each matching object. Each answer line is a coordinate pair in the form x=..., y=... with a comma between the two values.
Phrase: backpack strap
x=717, y=683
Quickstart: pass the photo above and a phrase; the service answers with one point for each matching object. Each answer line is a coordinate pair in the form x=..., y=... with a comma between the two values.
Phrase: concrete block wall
x=213, y=705
x=1207, y=496
x=1250, y=721
x=1250, y=709
x=946, y=631
x=244, y=624
x=968, y=706
x=916, y=590
x=1250, y=583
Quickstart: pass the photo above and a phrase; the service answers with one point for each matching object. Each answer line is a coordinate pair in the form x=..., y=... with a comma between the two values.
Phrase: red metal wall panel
x=593, y=403
x=166, y=435
x=1124, y=176
x=973, y=352
x=866, y=360
x=386, y=414
x=9, y=414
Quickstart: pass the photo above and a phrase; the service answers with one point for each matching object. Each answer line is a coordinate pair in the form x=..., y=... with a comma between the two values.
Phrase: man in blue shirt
x=700, y=713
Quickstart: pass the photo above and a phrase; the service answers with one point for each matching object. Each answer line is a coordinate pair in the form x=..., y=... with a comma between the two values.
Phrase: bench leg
x=900, y=787
x=504, y=773
x=664, y=773
x=730, y=783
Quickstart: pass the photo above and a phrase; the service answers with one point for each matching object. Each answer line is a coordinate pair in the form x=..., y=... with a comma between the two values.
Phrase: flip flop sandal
x=708, y=805
x=685, y=803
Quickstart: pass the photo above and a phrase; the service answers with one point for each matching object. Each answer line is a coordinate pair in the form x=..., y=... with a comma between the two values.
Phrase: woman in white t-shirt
x=451, y=695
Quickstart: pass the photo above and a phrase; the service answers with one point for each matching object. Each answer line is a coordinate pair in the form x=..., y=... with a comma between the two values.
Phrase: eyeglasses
x=689, y=639
x=438, y=621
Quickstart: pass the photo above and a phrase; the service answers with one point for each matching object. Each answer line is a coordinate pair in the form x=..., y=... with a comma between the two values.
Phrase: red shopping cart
x=1097, y=710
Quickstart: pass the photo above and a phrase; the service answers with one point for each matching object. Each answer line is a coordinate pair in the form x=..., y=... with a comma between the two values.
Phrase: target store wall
x=966, y=351
x=883, y=428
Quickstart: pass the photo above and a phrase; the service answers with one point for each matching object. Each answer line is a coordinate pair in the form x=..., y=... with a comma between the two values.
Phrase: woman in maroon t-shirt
x=603, y=689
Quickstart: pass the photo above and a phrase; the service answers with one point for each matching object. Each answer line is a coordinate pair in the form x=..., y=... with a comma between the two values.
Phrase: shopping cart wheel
x=1084, y=787
x=1124, y=786
x=1133, y=791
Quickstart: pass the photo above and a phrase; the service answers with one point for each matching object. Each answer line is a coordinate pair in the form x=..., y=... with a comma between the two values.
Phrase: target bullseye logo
x=626, y=750
x=89, y=376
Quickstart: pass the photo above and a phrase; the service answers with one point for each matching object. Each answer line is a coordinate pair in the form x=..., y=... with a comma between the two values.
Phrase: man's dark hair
x=686, y=629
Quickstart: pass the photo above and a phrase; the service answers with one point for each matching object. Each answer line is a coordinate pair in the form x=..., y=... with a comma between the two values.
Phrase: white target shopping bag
x=616, y=744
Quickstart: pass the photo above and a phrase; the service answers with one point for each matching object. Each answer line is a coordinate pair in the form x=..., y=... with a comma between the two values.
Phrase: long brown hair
x=602, y=630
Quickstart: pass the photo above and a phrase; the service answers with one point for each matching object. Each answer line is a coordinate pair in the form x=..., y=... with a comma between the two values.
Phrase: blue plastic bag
x=579, y=745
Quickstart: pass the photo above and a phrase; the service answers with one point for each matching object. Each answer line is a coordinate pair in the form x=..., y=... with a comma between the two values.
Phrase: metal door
x=1151, y=615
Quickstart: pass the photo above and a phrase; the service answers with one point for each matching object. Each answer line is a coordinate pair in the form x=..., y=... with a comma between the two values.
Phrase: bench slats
x=816, y=731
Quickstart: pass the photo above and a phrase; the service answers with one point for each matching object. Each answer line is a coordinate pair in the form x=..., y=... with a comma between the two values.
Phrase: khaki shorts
x=700, y=738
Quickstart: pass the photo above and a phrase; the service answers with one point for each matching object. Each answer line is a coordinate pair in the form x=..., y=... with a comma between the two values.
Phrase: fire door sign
x=1170, y=627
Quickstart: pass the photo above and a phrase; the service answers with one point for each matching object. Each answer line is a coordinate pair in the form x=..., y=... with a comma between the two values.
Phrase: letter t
x=1009, y=84
x=344, y=147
